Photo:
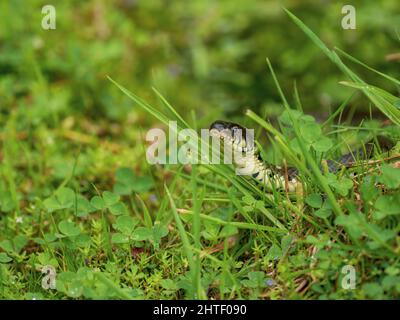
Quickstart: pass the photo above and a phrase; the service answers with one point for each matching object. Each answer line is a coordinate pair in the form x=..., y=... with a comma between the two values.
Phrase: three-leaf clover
x=127, y=182
x=68, y=228
x=324, y=208
x=110, y=201
x=128, y=232
x=66, y=198
x=62, y=199
x=126, y=226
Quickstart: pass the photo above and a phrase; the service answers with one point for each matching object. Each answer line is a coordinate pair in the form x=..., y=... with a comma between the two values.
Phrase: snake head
x=233, y=132
x=227, y=129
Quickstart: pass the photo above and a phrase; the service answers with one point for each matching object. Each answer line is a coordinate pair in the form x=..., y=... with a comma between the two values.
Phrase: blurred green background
x=206, y=56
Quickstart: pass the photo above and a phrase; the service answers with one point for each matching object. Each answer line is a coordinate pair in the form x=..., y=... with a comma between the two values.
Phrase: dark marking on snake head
x=219, y=125
x=233, y=129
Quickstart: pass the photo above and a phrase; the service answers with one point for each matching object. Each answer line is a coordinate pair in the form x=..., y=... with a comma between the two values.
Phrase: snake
x=274, y=177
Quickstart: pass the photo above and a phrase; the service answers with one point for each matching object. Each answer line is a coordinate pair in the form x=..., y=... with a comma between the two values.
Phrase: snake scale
x=273, y=176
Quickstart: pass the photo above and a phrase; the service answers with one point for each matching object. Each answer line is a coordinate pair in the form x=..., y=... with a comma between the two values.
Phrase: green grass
x=76, y=193
x=338, y=232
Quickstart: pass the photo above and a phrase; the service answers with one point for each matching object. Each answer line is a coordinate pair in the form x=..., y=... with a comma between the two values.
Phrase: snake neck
x=272, y=176
x=248, y=162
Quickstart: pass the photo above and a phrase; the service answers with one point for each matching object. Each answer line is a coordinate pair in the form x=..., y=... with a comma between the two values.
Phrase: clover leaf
x=127, y=182
x=341, y=186
x=62, y=199
x=83, y=206
x=387, y=205
x=314, y=200
x=98, y=202
x=110, y=201
x=68, y=228
x=4, y=258
x=126, y=226
x=15, y=245
x=390, y=177
x=110, y=198
x=325, y=211
x=128, y=232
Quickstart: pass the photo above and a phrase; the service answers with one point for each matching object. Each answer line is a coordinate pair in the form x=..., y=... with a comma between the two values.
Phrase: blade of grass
x=171, y=108
x=338, y=111
x=348, y=56
x=197, y=202
x=313, y=165
x=146, y=214
x=150, y=109
x=187, y=248
x=374, y=90
x=239, y=225
x=389, y=110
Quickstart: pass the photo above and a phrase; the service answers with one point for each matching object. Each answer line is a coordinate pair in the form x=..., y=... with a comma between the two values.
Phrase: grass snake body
x=273, y=176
